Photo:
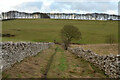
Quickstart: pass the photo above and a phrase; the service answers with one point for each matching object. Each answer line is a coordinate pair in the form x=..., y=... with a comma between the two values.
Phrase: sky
x=61, y=6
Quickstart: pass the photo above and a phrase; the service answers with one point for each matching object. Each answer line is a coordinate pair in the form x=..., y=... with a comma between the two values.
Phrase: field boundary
x=16, y=52
x=109, y=63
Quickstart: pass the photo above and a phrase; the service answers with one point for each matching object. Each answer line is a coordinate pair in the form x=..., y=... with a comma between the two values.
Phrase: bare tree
x=69, y=33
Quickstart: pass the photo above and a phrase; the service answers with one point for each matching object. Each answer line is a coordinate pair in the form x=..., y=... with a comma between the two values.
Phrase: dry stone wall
x=110, y=63
x=15, y=52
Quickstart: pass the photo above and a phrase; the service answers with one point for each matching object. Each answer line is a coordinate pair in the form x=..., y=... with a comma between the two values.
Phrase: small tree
x=68, y=33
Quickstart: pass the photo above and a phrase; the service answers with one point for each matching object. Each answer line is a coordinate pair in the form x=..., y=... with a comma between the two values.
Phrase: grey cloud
x=60, y=6
x=29, y=6
x=77, y=6
x=95, y=6
x=85, y=6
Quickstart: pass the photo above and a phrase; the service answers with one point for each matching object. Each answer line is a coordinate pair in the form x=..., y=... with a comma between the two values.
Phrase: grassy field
x=101, y=49
x=48, y=30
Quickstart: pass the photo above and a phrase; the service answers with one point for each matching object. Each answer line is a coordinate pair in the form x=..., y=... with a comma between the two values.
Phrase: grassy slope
x=48, y=30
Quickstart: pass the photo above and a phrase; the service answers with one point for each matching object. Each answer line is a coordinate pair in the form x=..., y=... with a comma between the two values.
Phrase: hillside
x=48, y=30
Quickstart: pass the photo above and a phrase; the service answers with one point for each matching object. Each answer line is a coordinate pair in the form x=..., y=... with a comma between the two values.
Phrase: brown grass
x=31, y=67
x=102, y=49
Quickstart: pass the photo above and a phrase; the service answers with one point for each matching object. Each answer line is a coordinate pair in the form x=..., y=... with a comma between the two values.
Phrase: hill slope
x=48, y=30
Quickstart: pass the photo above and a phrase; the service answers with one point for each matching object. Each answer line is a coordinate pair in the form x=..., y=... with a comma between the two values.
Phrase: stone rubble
x=13, y=52
x=110, y=63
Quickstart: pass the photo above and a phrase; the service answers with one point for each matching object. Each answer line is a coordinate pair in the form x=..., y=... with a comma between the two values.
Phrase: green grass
x=5, y=76
x=63, y=63
x=48, y=30
x=67, y=65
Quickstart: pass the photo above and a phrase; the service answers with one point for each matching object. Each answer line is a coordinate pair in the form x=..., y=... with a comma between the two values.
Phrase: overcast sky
x=61, y=6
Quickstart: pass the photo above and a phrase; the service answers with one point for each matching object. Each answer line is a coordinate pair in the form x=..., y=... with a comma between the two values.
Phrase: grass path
x=67, y=65
x=49, y=64
x=53, y=63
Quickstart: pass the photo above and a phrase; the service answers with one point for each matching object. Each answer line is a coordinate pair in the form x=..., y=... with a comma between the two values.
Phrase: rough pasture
x=47, y=30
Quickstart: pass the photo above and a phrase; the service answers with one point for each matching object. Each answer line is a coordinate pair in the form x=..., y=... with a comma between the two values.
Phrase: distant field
x=102, y=49
x=48, y=30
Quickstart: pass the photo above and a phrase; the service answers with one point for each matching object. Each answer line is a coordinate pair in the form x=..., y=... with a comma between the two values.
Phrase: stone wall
x=109, y=63
x=15, y=52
